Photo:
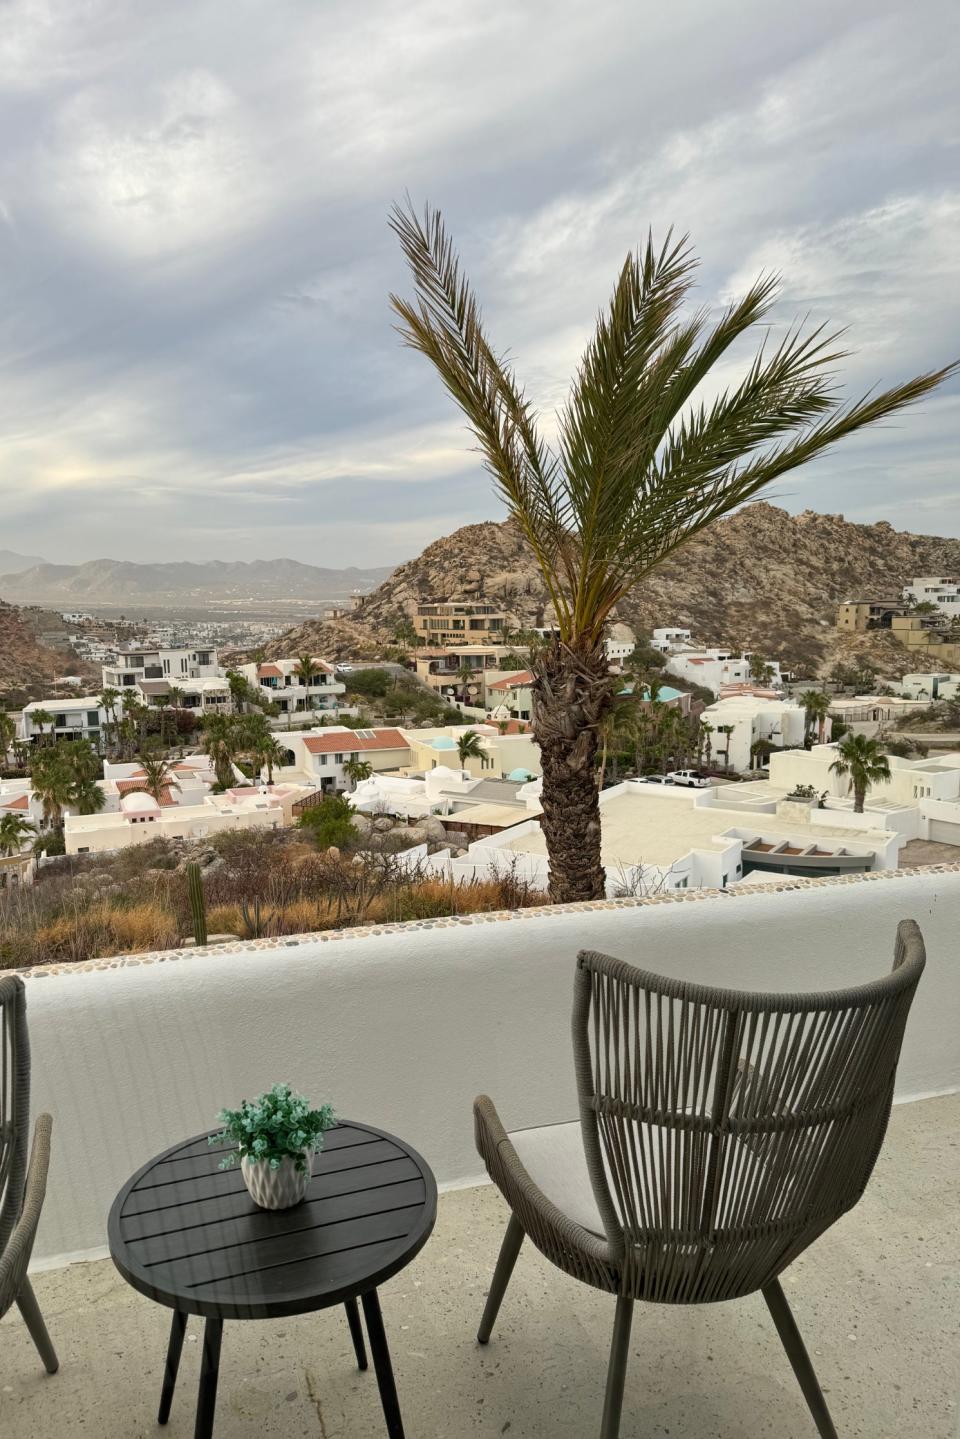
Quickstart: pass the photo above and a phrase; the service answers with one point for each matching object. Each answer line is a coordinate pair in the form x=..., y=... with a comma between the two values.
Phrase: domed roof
x=443, y=741
x=138, y=803
x=520, y=776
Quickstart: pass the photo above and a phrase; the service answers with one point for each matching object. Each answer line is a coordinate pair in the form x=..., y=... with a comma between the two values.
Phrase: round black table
x=187, y=1234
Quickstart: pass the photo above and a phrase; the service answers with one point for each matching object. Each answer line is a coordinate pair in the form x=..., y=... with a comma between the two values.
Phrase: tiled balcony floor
x=878, y=1301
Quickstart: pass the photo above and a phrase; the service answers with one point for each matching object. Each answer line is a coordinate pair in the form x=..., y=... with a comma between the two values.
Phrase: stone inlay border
x=545, y=911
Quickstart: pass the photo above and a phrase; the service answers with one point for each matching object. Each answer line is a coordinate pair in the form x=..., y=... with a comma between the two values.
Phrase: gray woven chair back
x=14, y=1102
x=725, y=1131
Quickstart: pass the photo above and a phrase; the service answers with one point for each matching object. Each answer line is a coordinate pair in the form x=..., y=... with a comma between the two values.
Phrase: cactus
x=198, y=906
x=252, y=922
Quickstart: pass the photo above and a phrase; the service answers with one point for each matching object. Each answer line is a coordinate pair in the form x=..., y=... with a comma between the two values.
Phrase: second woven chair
x=720, y=1134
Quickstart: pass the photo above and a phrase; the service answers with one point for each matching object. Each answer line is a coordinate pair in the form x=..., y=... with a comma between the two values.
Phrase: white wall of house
x=943, y=593
x=930, y=687
x=140, y=823
x=131, y=1059
x=779, y=721
x=81, y=718
x=287, y=690
x=666, y=638
x=910, y=780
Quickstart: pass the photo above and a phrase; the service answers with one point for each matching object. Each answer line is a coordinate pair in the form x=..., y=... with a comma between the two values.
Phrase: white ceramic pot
x=279, y=1188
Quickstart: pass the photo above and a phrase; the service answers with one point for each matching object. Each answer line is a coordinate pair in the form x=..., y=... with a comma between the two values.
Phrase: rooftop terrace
x=401, y=1025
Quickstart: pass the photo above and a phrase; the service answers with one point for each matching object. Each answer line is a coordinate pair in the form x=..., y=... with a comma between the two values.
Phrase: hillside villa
x=318, y=758
x=754, y=716
x=131, y=663
x=715, y=668
x=281, y=682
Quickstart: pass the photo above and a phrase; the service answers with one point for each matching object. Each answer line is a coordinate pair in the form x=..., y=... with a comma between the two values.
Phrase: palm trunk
x=572, y=695
x=859, y=795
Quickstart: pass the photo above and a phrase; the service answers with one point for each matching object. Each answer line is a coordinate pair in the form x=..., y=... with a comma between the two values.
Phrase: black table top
x=187, y=1234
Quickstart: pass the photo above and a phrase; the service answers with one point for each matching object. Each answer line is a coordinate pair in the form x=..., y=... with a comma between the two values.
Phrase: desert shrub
x=330, y=822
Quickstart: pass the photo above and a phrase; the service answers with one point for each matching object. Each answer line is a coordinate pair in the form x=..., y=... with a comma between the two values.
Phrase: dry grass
x=264, y=886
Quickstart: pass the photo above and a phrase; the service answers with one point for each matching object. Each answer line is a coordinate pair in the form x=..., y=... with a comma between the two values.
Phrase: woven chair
x=22, y=1185
x=720, y=1134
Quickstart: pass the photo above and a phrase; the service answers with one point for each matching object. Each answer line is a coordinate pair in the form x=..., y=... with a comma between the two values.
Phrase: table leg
x=178, y=1325
x=381, y=1363
x=356, y=1332
x=209, y=1370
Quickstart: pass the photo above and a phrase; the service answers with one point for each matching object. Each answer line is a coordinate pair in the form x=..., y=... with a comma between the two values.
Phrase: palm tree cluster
x=641, y=466
x=14, y=833
x=651, y=736
x=228, y=738
x=816, y=708
x=65, y=776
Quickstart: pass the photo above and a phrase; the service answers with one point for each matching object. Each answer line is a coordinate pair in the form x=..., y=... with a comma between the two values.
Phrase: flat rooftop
x=642, y=826
x=875, y=1299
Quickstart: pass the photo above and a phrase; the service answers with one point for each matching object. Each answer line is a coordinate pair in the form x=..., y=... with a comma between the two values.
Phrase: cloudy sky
x=196, y=348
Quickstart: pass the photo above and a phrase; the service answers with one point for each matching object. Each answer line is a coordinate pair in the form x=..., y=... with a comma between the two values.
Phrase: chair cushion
x=553, y=1157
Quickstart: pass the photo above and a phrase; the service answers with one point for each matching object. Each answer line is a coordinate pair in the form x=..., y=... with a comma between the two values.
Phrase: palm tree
x=727, y=730
x=159, y=775
x=705, y=745
x=8, y=733
x=816, y=706
x=272, y=755
x=357, y=770
x=469, y=747
x=220, y=742
x=637, y=471
x=865, y=763
x=466, y=675
x=52, y=781
x=760, y=671
x=239, y=690
x=14, y=830
x=305, y=669
x=40, y=718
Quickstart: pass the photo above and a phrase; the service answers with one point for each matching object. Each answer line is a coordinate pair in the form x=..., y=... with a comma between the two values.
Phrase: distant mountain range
x=11, y=563
x=122, y=582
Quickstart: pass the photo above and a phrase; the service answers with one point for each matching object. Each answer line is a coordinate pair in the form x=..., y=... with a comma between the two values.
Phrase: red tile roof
x=517, y=680
x=513, y=726
x=21, y=802
x=348, y=742
x=269, y=671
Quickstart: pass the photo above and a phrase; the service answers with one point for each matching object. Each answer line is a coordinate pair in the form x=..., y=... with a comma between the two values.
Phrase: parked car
x=655, y=779
x=692, y=778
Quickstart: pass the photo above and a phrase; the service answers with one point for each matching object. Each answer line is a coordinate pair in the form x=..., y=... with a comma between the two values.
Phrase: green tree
x=14, y=831
x=330, y=822
x=760, y=671
x=53, y=784
x=469, y=747
x=8, y=733
x=704, y=745
x=159, y=776
x=636, y=474
x=726, y=730
x=239, y=690
x=357, y=769
x=816, y=707
x=40, y=718
x=863, y=760
x=221, y=743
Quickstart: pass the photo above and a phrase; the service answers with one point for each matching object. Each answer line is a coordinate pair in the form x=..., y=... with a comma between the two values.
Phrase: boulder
x=383, y=825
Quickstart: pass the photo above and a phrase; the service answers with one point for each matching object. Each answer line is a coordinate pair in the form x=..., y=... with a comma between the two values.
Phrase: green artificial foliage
x=271, y=1127
x=198, y=904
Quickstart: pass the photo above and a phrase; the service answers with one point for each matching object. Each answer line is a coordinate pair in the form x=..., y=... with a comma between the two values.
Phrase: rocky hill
x=117, y=582
x=27, y=666
x=763, y=578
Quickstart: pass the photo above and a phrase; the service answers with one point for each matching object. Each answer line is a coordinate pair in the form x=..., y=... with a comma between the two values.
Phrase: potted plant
x=275, y=1136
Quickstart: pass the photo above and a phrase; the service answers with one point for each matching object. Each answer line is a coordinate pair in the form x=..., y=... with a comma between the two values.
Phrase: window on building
x=93, y=719
x=338, y=759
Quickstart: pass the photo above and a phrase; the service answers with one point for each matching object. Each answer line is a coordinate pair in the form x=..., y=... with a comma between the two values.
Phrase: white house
x=81, y=718
x=280, y=682
x=716, y=669
x=130, y=664
x=752, y=718
x=669, y=638
x=508, y=696
x=933, y=589
x=140, y=818
x=208, y=695
x=619, y=643
x=657, y=839
x=318, y=757
x=930, y=687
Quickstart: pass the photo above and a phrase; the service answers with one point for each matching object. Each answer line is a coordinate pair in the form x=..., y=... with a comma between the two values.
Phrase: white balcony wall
x=403, y=1027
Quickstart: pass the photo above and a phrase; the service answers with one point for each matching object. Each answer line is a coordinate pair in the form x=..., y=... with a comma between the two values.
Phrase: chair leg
x=33, y=1319
x=617, y=1370
x=356, y=1332
x=799, y=1358
x=509, y=1250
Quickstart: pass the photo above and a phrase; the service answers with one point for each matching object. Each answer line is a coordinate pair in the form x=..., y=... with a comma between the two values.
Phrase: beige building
x=140, y=818
x=443, y=669
x=505, y=756
x=451, y=622
x=858, y=616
